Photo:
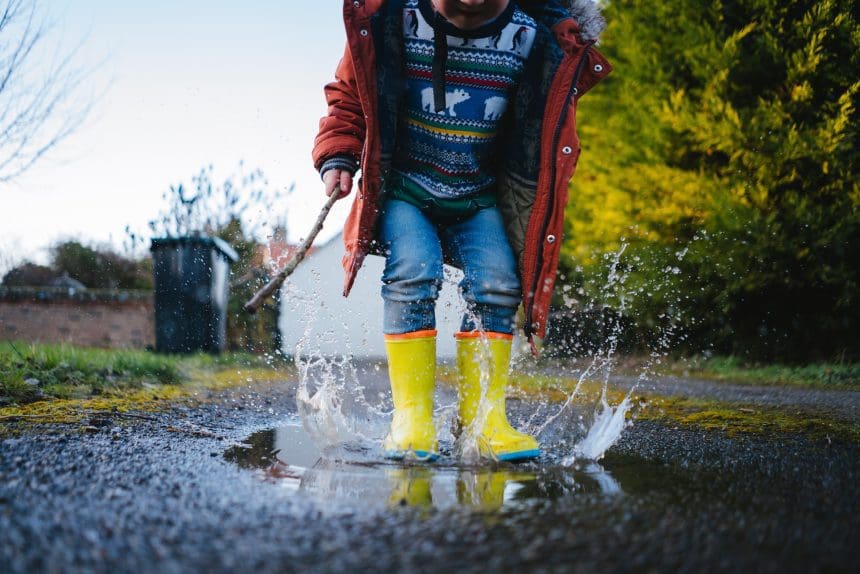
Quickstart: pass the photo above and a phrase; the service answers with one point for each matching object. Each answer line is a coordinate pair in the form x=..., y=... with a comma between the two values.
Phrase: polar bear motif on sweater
x=451, y=99
x=494, y=107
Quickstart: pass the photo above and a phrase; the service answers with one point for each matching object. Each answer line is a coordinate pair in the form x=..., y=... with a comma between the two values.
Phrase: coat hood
x=585, y=12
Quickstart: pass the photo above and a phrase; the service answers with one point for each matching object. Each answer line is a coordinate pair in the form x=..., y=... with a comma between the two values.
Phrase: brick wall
x=86, y=318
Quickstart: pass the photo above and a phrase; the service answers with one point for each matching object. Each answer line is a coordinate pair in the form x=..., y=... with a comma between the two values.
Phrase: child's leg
x=413, y=268
x=411, y=282
x=491, y=288
x=490, y=285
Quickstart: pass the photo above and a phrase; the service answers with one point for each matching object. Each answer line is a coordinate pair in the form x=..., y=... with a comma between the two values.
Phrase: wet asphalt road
x=160, y=496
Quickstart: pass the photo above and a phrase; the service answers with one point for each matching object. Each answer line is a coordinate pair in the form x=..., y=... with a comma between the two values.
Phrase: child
x=461, y=116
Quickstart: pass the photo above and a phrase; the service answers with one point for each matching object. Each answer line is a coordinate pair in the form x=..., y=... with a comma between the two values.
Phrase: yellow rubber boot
x=412, y=372
x=498, y=440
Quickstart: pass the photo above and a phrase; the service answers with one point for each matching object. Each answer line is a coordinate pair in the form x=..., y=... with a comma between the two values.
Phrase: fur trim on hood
x=587, y=14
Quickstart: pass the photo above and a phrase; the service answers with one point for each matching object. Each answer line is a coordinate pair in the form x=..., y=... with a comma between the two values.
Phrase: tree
x=257, y=333
x=40, y=100
x=95, y=267
x=728, y=148
x=29, y=275
x=100, y=268
x=209, y=207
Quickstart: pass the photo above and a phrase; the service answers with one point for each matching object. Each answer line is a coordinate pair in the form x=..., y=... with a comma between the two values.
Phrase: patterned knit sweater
x=455, y=96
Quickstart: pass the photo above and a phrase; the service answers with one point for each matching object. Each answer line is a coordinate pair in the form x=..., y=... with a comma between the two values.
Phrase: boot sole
x=419, y=455
x=519, y=455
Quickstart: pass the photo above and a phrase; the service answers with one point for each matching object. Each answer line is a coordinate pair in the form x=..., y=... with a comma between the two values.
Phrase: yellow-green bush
x=722, y=153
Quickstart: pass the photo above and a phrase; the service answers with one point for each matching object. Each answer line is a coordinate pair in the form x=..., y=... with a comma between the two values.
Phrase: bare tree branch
x=207, y=207
x=40, y=101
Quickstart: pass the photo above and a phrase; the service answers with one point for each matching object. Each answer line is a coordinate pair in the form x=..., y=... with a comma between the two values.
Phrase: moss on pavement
x=706, y=414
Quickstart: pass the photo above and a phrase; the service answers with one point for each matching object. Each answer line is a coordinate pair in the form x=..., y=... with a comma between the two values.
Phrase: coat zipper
x=556, y=135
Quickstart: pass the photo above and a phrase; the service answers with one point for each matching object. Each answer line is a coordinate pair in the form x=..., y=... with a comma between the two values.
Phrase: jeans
x=415, y=247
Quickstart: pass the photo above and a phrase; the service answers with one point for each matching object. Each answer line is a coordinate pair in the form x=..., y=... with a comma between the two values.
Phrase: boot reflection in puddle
x=487, y=489
x=410, y=487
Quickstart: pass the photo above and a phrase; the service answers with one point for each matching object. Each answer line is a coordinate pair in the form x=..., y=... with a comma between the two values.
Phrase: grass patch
x=150, y=398
x=36, y=372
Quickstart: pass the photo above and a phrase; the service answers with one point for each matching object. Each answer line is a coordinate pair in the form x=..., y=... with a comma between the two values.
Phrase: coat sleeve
x=342, y=129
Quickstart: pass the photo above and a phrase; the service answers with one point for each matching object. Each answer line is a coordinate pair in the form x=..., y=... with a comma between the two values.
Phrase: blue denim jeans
x=415, y=247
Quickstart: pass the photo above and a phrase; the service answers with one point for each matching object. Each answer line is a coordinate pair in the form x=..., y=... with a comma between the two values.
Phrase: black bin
x=191, y=291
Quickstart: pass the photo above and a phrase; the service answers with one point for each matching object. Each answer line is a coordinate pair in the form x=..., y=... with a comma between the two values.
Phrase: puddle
x=354, y=477
x=331, y=451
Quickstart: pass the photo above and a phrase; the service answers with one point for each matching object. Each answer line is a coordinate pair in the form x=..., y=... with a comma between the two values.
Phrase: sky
x=178, y=86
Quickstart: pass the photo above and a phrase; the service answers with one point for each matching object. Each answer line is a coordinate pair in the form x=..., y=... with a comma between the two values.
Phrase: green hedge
x=721, y=154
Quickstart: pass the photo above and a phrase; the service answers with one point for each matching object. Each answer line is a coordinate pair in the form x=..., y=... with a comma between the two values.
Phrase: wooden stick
x=260, y=296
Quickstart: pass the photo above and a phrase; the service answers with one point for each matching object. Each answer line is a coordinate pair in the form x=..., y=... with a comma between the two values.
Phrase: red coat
x=543, y=150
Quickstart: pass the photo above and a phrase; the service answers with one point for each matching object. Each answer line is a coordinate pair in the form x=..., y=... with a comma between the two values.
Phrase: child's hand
x=337, y=179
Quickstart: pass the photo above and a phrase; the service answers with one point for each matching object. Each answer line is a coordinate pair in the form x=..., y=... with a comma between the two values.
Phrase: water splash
x=609, y=422
x=330, y=398
x=468, y=443
x=336, y=411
